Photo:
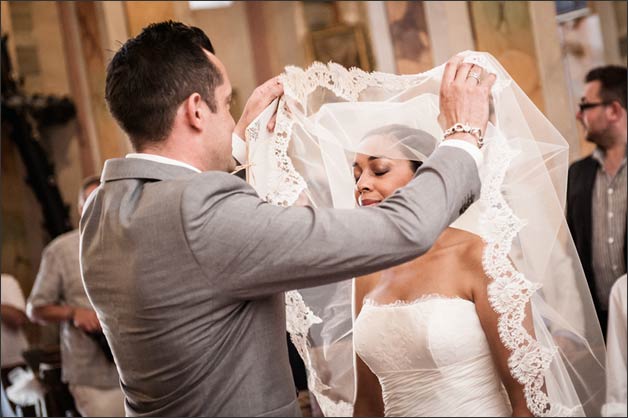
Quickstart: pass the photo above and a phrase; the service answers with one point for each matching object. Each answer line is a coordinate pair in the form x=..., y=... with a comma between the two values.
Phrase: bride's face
x=376, y=178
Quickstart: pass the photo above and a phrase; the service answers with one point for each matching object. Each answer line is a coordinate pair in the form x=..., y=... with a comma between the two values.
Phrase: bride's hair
x=407, y=140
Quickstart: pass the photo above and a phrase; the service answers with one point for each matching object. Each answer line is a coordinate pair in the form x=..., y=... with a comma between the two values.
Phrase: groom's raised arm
x=248, y=248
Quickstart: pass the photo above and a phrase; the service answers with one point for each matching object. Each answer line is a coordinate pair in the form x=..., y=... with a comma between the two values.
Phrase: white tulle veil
x=322, y=121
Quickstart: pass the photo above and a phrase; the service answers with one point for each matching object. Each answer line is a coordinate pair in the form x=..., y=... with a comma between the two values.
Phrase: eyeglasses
x=584, y=106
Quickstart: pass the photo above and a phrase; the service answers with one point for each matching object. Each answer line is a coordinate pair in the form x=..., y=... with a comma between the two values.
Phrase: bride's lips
x=369, y=202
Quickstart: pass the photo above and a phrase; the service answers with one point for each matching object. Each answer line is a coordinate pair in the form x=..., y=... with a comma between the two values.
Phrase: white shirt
x=160, y=159
x=239, y=153
x=464, y=145
x=13, y=341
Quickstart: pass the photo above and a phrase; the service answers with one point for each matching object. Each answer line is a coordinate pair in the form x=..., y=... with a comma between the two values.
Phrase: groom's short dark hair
x=153, y=73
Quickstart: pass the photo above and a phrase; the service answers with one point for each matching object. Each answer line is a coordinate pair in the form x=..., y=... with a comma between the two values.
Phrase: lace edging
x=299, y=319
x=423, y=298
x=286, y=184
x=510, y=291
x=347, y=84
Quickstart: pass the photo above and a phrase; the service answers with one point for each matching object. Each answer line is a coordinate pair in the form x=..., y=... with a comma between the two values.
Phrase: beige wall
x=141, y=13
x=23, y=236
x=45, y=36
x=284, y=21
x=278, y=28
x=227, y=29
x=60, y=142
x=552, y=69
x=551, y=78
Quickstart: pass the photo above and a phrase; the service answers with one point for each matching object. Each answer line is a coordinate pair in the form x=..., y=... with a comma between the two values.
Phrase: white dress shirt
x=160, y=159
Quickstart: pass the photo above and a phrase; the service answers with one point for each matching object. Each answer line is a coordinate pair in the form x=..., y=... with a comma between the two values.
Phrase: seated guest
x=13, y=320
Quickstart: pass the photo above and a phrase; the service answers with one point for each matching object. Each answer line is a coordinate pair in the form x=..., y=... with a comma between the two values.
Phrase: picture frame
x=569, y=10
x=342, y=44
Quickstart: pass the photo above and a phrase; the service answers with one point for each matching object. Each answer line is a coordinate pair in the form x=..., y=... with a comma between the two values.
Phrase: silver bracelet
x=461, y=127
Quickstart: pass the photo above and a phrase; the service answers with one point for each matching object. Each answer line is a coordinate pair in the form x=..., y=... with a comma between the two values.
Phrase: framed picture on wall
x=410, y=36
x=343, y=44
x=568, y=10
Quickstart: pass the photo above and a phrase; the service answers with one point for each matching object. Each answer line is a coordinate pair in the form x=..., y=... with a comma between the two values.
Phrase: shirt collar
x=598, y=155
x=161, y=159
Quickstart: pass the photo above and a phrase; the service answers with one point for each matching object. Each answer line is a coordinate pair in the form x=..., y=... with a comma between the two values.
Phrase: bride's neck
x=450, y=237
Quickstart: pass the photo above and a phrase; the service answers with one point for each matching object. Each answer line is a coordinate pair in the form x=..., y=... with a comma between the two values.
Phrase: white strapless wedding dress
x=431, y=357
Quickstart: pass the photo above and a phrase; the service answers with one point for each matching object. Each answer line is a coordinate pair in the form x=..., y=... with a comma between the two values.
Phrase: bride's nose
x=363, y=185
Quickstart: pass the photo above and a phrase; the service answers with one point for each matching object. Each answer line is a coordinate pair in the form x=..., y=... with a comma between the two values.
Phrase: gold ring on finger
x=475, y=75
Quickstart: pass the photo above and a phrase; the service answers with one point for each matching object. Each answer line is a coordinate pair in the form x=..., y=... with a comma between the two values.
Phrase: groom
x=186, y=266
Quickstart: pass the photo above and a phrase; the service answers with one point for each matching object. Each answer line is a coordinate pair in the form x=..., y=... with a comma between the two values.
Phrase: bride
x=496, y=319
x=426, y=335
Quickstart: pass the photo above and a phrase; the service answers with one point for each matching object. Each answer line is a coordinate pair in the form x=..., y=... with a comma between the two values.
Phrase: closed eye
x=356, y=173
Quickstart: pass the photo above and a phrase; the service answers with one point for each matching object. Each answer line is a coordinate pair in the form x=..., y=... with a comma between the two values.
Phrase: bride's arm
x=488, y=319
x=368, y=392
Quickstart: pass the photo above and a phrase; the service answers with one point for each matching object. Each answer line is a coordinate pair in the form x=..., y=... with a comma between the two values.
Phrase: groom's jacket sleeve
x=248, y=248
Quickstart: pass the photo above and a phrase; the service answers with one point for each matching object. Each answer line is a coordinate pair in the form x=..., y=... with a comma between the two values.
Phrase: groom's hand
x=464, y=98
x=260, y=99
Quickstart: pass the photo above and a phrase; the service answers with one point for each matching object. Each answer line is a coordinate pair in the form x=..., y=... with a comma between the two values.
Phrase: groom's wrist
x=463, y=136
x=467, y=146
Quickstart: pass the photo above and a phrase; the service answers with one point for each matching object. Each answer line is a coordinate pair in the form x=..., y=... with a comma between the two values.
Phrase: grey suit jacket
x=187, y=273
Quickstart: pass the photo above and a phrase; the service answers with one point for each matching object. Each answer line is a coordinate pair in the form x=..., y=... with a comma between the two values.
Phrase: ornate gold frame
x=357, y=35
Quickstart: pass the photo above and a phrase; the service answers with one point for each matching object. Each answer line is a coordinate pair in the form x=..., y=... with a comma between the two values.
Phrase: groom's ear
x=193, y=111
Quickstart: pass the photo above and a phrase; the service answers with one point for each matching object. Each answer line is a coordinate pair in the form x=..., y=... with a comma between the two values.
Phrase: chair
x=26, y=391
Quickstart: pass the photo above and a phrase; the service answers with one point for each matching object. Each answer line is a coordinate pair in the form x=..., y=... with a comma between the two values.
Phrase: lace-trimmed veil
x=322, y=119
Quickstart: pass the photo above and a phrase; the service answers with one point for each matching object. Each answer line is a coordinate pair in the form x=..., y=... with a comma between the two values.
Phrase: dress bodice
x=431, y=357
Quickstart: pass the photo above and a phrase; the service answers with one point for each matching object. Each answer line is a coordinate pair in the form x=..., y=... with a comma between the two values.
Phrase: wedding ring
x=475, y=75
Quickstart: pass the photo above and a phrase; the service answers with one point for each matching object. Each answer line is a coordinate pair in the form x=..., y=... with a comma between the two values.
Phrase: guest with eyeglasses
x=596, y=190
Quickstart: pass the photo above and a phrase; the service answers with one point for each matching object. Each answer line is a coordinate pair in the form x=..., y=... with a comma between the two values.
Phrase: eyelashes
x=378, y=173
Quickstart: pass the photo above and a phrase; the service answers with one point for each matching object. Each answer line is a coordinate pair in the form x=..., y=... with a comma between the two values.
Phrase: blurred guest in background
x=14, y=341
x=13, y=320
x=59, y=296
x=596, y=191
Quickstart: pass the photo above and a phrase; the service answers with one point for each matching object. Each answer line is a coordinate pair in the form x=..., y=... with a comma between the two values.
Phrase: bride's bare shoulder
x=466, y=255
x=467, y=247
